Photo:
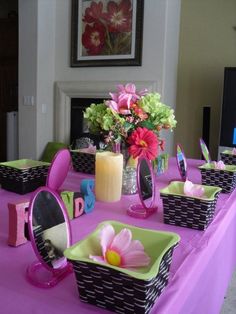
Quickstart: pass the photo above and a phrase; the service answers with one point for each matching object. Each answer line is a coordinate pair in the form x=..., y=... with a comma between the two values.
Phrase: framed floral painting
x=106, y=32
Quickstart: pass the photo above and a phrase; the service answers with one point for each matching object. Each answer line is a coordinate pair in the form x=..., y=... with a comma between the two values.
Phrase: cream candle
x=108, y=176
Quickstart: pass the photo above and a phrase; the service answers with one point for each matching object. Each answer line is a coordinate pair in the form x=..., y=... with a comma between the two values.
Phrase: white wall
x=159, y=61
x=45, y=72
x=36, y=75
x=28, y=13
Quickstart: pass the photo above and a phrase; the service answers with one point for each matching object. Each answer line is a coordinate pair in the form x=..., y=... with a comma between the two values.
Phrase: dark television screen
x=228, y=116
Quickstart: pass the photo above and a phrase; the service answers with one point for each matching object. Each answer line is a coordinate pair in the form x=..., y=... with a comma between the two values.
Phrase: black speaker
x=206, y=125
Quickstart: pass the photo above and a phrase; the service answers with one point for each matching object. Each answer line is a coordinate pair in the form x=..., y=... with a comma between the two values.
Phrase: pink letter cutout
x=18, y=216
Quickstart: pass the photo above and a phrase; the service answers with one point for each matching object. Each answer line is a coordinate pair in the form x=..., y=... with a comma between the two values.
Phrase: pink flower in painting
x=94, y=12
x=124, y=98
x=143, y=142
x=119, y=16
x=120, y=250
x=93, y=38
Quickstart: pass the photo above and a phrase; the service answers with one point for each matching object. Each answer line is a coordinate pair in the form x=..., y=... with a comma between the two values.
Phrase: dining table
x=200, y=272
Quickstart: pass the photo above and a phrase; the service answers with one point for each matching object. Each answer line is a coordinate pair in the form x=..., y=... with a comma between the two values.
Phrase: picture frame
x=106, y=33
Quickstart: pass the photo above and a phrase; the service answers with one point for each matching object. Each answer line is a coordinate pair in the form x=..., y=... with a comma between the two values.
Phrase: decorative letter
x=78, y=207
x=86, y=187
x=18, y=216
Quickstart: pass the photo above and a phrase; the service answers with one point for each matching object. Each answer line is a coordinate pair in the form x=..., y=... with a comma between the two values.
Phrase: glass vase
x=129, y=184
x=129, y=181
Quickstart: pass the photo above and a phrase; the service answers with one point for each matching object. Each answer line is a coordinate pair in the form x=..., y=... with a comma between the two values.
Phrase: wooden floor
x=229, y=306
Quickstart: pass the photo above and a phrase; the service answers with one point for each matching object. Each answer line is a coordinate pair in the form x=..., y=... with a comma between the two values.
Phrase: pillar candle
x=108, y=176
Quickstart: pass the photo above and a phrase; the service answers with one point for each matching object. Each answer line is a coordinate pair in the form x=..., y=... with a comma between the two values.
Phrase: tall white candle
x=108, y=176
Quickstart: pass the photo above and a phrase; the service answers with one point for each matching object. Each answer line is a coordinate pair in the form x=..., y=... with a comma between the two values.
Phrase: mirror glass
x=205, y=151
x=49, y=233
x=181, y=162
x=50, y=230
x=146, y=190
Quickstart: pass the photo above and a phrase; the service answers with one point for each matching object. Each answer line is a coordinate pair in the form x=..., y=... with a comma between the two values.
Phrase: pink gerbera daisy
x=120, y=250
x=143, y=142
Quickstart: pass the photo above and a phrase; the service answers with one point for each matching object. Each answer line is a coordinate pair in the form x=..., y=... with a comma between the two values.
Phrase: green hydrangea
x=159, y=113
x=101, y=118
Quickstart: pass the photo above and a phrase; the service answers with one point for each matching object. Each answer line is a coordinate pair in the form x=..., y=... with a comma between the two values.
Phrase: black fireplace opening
x=78, y=125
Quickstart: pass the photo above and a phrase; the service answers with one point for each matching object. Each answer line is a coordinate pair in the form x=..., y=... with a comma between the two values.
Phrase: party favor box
x=83, y=162
x=228, y=157
x=185, y=211
x=225, y=179
x=23, y=176
x=119, y=289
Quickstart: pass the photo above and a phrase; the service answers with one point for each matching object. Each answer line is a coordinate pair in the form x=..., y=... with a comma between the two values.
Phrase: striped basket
x=114, y=288
x=225, y=179
x=186, y=211
x=228, y=158
x=23, y=176
x=83, y=162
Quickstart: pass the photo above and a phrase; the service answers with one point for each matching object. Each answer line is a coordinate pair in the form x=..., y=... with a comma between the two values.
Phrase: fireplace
x=78, y=125
x=66, y=91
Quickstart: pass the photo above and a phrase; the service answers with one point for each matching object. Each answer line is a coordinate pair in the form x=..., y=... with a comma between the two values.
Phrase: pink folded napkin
x=219, y=165
x=191, y=189
x=89, y=150
x=234, y=151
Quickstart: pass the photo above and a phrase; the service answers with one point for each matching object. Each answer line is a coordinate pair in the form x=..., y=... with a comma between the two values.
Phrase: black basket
x=119, y=292
x=83, y=162
x=221, y=178
x=187, y=211
x=23, y=181
x=228, y=159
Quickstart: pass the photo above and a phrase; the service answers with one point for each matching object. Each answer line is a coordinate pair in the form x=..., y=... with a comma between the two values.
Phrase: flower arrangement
x=120, y=250
x=107, y=29
x=132, y=117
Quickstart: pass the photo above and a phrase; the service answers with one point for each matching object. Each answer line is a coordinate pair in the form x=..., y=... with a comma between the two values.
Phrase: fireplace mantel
x=64, y=91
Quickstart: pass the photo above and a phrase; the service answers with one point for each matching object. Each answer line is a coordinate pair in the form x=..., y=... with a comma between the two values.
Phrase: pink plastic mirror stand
x=142, y=210
x=39, y=273
x=59, y=169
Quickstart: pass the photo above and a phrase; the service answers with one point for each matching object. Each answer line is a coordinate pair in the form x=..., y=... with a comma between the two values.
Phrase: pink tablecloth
x=201, y=269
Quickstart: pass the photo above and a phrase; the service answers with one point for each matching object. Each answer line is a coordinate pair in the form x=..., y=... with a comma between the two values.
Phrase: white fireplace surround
x=64, y=91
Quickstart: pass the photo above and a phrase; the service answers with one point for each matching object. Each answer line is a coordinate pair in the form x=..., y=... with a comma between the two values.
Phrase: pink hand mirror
x=49, y=227
x=146, y=189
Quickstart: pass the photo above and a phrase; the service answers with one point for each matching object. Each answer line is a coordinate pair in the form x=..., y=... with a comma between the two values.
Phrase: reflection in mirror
x=146, y=189
x=181, y=162
x=50, y=235
x=205, y=151
x=49, y=229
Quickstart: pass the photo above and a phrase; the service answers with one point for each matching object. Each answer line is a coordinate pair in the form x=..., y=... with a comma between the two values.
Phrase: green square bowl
x=187, y=211
x=225, y=179
x=118, y=289
x=156, y=244
x=177, y=188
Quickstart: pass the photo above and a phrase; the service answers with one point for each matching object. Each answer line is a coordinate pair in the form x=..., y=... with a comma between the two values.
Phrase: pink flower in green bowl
x=120, y=250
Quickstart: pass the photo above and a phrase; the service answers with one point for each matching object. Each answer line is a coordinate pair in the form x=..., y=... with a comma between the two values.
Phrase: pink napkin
x=234, y=151
x=219, y=165
x=191, y=189
x=89, y=150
